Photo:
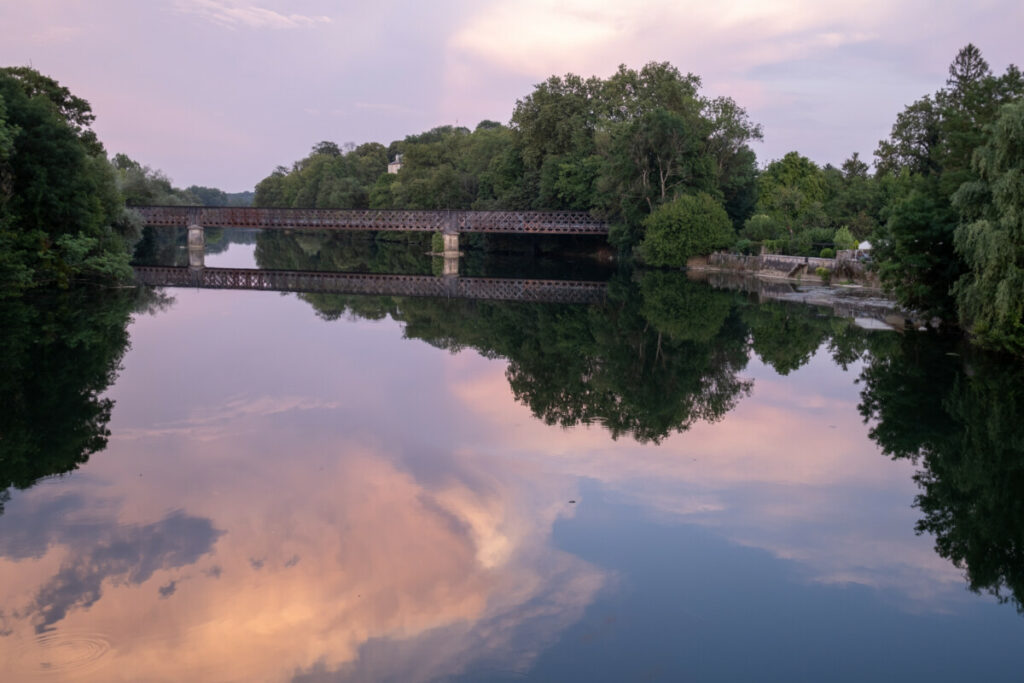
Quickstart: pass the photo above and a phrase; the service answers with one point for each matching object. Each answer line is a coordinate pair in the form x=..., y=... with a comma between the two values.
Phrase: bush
x=824, y=273
x=688, y=226
x=844, y=239
x=827, y=253
x=761, y=227
x=801, y=244
x=745, y=246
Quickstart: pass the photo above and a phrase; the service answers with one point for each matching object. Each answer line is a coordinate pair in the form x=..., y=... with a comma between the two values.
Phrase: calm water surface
x=679, y=484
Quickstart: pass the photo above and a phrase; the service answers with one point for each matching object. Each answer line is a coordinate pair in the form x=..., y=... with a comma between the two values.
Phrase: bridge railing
x=523, y=222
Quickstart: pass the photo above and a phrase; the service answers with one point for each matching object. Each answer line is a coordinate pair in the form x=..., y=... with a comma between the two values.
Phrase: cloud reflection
x=319, y=576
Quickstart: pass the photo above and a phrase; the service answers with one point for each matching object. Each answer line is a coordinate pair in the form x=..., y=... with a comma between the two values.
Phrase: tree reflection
x=661, y=354
x=61, y=352
x=957, y=414
x=362, y=252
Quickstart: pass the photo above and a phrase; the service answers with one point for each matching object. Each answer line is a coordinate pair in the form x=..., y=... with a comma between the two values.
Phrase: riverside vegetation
x=671, y=170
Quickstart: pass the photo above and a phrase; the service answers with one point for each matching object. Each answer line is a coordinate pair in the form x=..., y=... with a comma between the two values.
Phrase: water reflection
x=957, y=414
x=292, y=497
x=60, y=353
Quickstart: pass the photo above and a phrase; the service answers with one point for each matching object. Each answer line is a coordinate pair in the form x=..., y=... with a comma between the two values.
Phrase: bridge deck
x=515, y=222
x=496, y=289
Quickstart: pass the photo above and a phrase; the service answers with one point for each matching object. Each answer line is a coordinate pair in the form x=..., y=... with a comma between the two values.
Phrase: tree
x=844, y=239
x=61, y=217
x=929, y=155
x=789, y=188
x=690, y=225
x=990, y=295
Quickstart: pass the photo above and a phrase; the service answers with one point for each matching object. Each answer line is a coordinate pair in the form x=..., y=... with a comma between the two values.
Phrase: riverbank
x=846, y=267
x=866, y=305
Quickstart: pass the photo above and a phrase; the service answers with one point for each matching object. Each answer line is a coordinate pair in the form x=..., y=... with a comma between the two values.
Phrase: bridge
x=449, y=223
x=449, y=286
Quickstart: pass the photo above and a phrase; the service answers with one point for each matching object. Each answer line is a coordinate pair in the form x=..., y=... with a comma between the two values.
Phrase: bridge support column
x=196, y=258
x=451, y=264
x=196, y=238
x=451, y=249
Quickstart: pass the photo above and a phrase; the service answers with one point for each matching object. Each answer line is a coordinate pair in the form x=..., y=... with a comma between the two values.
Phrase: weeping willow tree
x=990, y=296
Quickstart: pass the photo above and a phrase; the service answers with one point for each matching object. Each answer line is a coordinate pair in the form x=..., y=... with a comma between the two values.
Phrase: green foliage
x=328, y=178
x=61, y=217
x=827, y=253
x=761, y=226
x=691, y=225
x=844, y=239
x=211, y=196
x=789, y=188
x=745, y=246
x=928, y=157
x=990, y=295
x=915, y=248
x=824, y=273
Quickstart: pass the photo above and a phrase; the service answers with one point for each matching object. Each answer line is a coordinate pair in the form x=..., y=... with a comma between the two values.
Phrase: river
x=675, y=483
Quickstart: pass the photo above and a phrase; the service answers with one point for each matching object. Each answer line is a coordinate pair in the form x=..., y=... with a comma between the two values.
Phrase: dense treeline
x=944, y=208
x=952, y=229
x=673, y=173
x=621, y=147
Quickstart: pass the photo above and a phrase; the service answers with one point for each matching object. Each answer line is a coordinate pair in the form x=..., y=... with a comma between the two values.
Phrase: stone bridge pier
x=450, y=234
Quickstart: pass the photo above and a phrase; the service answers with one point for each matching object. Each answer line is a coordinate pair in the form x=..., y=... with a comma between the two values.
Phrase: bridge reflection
x=448, y=286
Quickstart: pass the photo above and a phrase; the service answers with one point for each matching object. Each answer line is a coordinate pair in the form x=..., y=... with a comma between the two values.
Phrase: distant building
x=396, y=165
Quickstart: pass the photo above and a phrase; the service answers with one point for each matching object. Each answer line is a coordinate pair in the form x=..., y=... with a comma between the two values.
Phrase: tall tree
x=929, y=154
x=990, y=295
x=61, y=217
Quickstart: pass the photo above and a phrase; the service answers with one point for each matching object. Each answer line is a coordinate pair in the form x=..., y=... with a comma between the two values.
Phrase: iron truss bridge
x=513, y=222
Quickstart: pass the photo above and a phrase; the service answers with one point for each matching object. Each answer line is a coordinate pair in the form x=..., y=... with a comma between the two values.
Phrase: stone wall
x=786, y=267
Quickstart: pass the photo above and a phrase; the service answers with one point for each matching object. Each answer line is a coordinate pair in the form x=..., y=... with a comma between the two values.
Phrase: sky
x=220, y=92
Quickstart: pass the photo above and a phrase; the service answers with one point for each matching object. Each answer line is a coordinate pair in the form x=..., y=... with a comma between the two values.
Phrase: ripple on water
x=62, y=654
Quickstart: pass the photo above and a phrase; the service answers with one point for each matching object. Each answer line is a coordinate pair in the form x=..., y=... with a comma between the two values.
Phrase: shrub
x=691, y=225
x=844, y=239
x=744, y=246
x=761, y=227
x=827, y=253
x=824, y=273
